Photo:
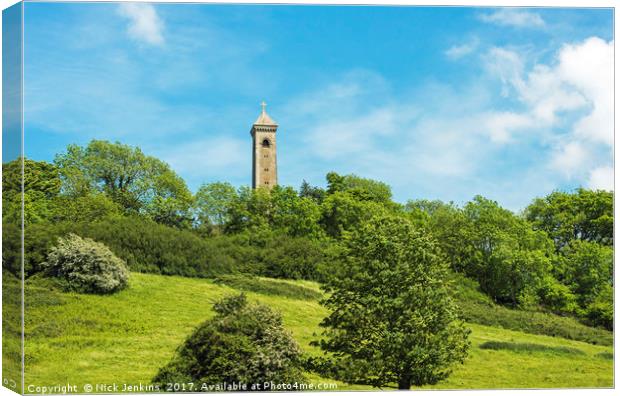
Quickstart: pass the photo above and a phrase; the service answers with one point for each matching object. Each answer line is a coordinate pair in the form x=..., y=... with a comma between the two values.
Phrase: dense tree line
x=556, y=255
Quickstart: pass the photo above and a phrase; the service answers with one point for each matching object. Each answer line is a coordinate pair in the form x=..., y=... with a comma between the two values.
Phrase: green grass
x=11, y=331
x=126, y=337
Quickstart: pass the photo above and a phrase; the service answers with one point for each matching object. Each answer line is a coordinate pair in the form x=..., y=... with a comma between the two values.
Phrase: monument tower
x=264, y=165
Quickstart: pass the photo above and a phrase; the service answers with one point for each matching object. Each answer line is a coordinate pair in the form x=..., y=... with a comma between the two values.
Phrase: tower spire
x=263, y=118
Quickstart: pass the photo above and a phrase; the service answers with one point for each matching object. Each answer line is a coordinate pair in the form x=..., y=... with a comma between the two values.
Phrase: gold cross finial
x=263, y=105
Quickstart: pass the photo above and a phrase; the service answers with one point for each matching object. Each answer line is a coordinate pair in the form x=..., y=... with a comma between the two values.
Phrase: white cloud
x=500, y=126
x=570, y=158
x=547, y=94
x=507, y=65
x=213, y=156
x=458, y=51
x=144, y=23
x=441, y=136
x=602, y=178
x=575, y=94
x=514, y=17
x=588, y=67
x=350, y=136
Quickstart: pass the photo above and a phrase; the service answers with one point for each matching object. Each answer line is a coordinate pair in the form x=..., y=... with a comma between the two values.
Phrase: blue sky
x=440, y=103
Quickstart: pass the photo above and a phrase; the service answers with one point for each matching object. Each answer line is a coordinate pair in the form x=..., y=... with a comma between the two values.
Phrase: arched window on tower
x=266, y=143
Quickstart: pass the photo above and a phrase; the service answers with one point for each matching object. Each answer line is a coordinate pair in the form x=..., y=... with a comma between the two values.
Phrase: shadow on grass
x=527, y=347
x=266, y=286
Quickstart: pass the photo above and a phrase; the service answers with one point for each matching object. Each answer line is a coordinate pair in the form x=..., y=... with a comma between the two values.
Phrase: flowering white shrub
x=86, y=266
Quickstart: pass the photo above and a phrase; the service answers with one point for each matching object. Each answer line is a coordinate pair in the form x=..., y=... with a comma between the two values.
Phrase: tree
x=85, y=209
x=584, y=214
x=449, y=225
x=343, y=212
x=212, y=203
x=317, y=194
x=135, y=181
x=362, y=188
x=587, y=268
x=279, y=209
x=391, y=315
x=507, y=257
x=296, y=216
x=250, y=210
x=41, y=183
x=244, y=343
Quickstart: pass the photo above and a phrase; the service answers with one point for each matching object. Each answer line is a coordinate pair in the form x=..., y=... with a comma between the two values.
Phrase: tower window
x=266, y=182
x=266, y=169
x=266, y=143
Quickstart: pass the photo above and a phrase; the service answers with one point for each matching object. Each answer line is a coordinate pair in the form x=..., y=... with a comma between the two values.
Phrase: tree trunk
x=404, y=383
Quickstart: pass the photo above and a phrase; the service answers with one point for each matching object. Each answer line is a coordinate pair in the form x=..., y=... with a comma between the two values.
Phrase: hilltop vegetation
x=545, y=271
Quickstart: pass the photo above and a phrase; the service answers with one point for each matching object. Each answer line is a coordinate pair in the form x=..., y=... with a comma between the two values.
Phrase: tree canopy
x=391, y=316
x=137, y=182
x=584, y=214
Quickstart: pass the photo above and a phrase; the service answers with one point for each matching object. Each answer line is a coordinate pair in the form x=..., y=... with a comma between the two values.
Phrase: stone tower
x=264, y=164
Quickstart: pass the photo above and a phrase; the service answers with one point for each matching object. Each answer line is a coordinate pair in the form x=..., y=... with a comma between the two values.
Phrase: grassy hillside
x=477, y=307
x=126, y=337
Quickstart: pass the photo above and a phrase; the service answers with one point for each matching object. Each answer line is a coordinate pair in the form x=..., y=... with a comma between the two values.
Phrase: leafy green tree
x=600, y=311
x=296, y=216
x=84, y=209
x=296, y=257
x=135, y=181
x=39, y=176
x=584, y=214
x=212, y=203
x=244, y=343
x=507, y=257
x=343, y=212
x=557, y=297
x=391, y=315
x=587, y=268
x=250, y=210
x=451, y=228
x=41, y=183
x=317, y=194
x=362, y=188
x=280, y=208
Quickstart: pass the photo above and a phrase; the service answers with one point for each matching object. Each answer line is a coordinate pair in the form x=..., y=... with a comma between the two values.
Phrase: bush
x=282, y=256
x=557, y=297
x=144, y=245
x=147, y=246
x=244, y=344
x=476, y=307
x=150, y=247
x=86, y=266
x=600, y=312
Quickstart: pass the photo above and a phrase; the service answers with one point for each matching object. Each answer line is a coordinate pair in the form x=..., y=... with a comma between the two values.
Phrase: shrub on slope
x=244, y=343
x=477, y=307
x=86, y=266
